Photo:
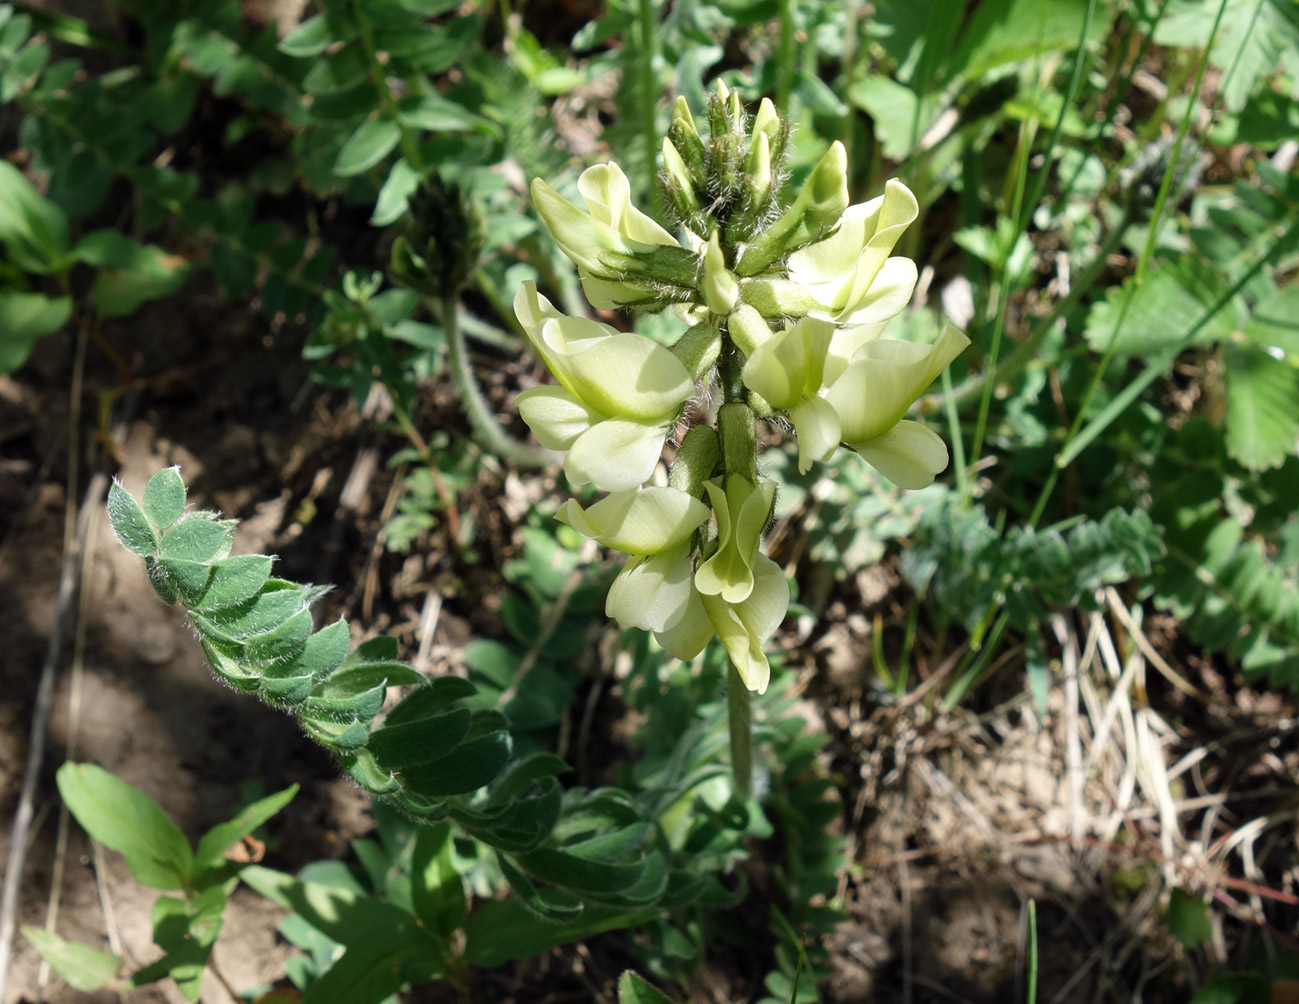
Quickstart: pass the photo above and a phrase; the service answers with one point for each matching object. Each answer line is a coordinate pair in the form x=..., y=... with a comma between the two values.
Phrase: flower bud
x=443, y=238
x=720, y=288
x=684, y=136
x=747, y=328
x=678, y=186
x=823, y=198
x=699, y=348
x=695, y=461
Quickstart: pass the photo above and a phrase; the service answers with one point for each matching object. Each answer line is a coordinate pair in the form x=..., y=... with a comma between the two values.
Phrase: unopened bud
x=699, y=348
x=695, y=460
x=685, y=137
x=822, y=200
x=747, y=328
x=721, y=290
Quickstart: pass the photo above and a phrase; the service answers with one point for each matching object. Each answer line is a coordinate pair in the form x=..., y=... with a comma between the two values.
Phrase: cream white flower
x=742, y=510
x=618, y=396
x=850, y=273
x=871, y=397
x=603, y=239
x=638, y=521
x=788, y=371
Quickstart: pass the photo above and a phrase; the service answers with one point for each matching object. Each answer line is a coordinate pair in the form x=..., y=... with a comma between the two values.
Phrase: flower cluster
x=787, y=305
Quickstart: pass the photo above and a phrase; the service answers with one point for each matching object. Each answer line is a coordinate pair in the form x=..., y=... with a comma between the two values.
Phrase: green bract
x=787, y=304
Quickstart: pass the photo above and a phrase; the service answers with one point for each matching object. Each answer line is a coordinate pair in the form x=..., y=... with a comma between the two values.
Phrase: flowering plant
x=786, y=305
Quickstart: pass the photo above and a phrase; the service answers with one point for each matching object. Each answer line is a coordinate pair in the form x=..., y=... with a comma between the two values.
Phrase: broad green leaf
x=321, y=655
x=25, y=317
x=570, y=871
x=1008, y=31
x=502, y=930
x=434, y=113
x=1254, y=39
x=337, y=71
x=82, y=967
x=130, y=525
x=284, y=641
x=378, y=962
x=1275, y=320
x=1188, y=920
x=373, y=140
x=313, y=36
x=1262, y=406
x=125, y=819
x=164, y=497
x=1158, y=312
x=893, y=107
x=198, y=539
x=212, y=846
x=234, y=581
x=186, y=930
x=275, y=604
x=396, y=747
x=437, y=890
x=381, y=648
x=337, y=913
x=119, y=292
x=632, y=989
x=467, y=769
x=32, y=228
x=429, y=699
x=551, y=905
x=391, y=204
x=188, y=578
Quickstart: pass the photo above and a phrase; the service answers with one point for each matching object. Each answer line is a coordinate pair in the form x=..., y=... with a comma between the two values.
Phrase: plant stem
x=785, y=59
x=487, y=430
x=739, y=713
x=648, y=89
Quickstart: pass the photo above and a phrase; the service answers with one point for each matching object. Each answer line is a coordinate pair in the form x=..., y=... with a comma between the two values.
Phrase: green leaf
x=429, y=699
x=187, y=578
x=125, y=819
x=322, y=654
x=1188, y=920
x=1254, y=38
x=284, y=641
x=25, y=317
x=33, y=229
x=186, y=930
x=1158, y=312
x=1008, y=31
x=274, y=605
x=234, y=581
x=437, y=890
x=391, y=204
x=337, y=72
x=467, y=769
x=119, y=292
x=434, y=113
x=396, y=747
x=211, y=848
x=502, y=930
x=313, y=36
x=130, y=524
x=1262, y=406
x=198, y=539
x=373, y=140
x=632, y=989
x=893, y=107
x=573, y=872
x=82, y=967
x=164, y=497
x=1275, y=320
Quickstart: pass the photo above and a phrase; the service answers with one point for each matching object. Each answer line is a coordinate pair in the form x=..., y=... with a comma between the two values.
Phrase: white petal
x=653, y=593
x=687, y=638
x=555, y=417
x=621, y=375
x=886, y=297
x=608, y=196
x=910, y=454
x=639, y=521
x=819, y=431
x=615, y=455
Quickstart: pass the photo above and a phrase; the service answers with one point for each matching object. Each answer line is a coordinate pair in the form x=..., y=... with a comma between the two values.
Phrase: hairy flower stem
x=487, y=430
x=739, y=709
